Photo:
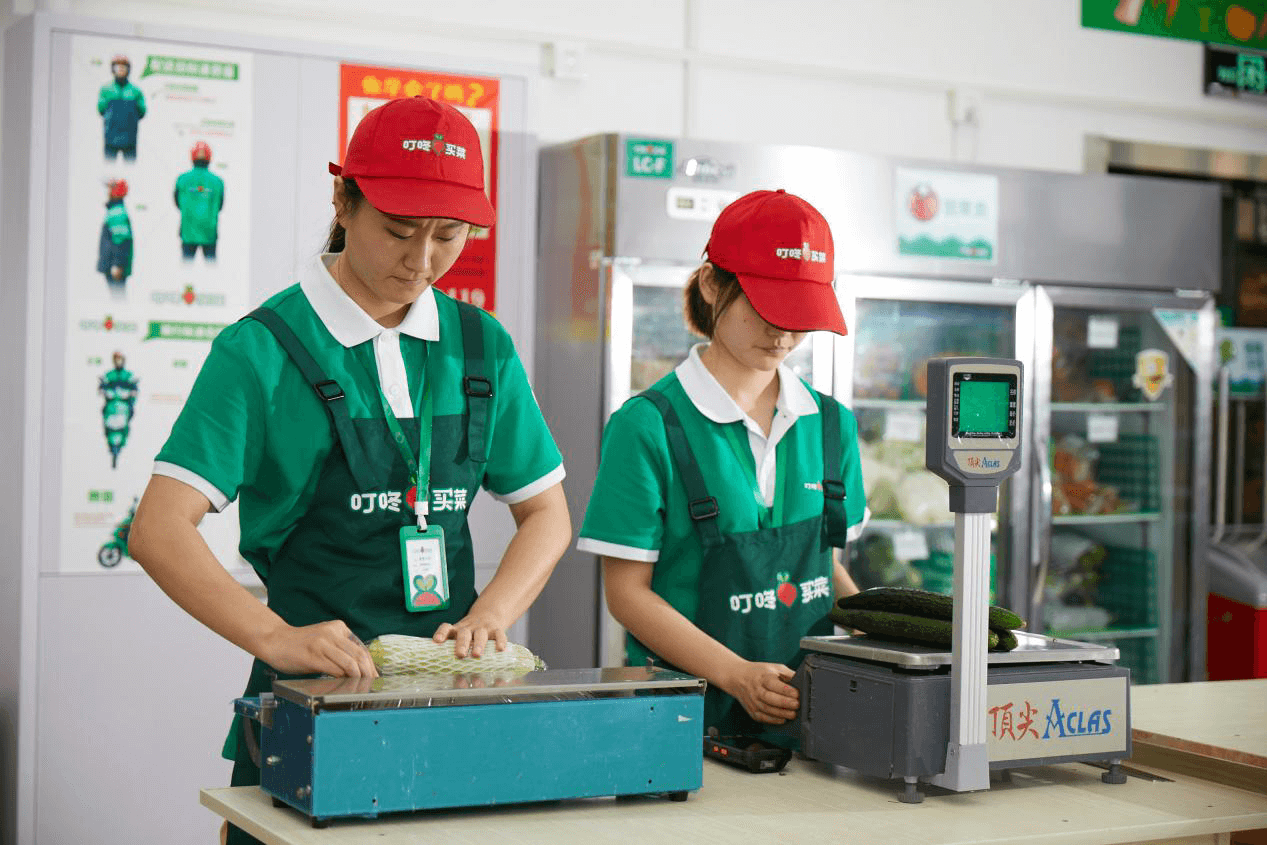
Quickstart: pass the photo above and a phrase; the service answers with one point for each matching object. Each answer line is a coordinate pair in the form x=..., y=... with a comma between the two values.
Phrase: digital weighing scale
x=950, y=717
x=339, y=747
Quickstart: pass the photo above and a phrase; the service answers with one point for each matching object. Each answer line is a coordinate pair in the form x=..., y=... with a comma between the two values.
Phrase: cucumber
x=1007, y=639
x=901, y=626
x=922, y=603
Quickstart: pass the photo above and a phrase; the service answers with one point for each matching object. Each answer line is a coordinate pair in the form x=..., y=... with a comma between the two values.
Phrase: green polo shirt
x=252, y=431
x=638, y=509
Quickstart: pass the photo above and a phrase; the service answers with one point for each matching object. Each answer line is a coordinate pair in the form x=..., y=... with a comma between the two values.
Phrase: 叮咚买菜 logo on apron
x=786, y=593
x=442, y=499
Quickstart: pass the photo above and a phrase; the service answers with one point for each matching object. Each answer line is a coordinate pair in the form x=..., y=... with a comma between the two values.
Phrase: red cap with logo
x=419, y=157
x=201, y=151
x=780, y=247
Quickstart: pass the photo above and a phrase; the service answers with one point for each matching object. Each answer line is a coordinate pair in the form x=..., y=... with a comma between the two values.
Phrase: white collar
x=346, y=320
x=712, y=400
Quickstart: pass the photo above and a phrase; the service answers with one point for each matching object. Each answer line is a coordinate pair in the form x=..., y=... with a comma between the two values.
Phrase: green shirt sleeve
x=522, y=455
x=627, y=505
x=219, y=431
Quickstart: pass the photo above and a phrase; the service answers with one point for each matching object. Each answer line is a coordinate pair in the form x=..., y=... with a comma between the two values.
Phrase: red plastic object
x=1236, y=640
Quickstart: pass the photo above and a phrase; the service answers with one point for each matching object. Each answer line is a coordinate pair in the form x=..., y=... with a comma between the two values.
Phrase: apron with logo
x=761, y=591
x=343, y=558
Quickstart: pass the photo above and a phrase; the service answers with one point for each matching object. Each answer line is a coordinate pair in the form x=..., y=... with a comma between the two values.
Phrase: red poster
x=473, y=278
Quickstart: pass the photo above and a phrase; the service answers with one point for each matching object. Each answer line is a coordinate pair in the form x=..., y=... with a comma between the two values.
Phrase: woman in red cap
x=723, y=489
x=354, y=417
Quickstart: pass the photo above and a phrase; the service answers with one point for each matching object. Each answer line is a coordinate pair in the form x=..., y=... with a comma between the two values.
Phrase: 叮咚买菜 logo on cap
x=802, y=253
x=435, y=145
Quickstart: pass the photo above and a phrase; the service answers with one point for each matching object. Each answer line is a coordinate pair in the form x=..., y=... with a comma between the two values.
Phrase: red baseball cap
x=418, y=157
x=780, y=247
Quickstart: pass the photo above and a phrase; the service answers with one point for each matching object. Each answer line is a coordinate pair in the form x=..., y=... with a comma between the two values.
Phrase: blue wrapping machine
x=340, y=747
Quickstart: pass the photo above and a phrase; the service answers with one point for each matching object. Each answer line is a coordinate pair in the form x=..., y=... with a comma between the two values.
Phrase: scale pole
x=967, y=757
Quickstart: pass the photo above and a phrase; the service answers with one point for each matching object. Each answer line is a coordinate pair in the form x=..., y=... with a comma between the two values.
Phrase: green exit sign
x=1235, y=73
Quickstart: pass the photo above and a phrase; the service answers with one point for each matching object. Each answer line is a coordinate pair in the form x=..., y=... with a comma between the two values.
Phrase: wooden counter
x=808, y=803
x=1224, y=724
x=1215, y=730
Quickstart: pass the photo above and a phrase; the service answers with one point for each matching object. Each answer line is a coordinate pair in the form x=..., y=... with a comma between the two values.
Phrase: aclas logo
x=983, y=463
x=922, y=202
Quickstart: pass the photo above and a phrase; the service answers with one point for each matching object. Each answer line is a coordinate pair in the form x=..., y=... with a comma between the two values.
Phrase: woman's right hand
x=329, y=648
x=763, y=691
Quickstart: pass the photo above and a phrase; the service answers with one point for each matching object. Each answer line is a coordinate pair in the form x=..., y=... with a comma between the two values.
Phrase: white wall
x=866, y=75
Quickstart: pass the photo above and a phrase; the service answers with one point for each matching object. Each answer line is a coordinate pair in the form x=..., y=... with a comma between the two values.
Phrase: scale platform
x=1030, y=648
x=340, y=747
x=883, y=708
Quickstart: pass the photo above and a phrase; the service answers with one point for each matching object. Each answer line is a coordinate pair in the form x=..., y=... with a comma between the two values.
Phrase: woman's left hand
x=471, y=634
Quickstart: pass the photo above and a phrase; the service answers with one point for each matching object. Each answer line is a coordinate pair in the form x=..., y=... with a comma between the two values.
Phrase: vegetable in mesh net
x=400, y=654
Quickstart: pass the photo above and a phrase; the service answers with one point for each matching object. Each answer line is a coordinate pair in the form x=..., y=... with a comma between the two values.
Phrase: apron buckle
x=834, y=489
x=328, y=390
x=477, y=386
x=705, y=508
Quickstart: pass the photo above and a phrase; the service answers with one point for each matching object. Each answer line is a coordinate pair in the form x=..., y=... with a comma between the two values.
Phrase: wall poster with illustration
x=157, y=262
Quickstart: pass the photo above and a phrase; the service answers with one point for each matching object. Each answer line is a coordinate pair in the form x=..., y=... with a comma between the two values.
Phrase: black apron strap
x=328, y=391
x=836, y=523
x=477, y=387
x=703, y=507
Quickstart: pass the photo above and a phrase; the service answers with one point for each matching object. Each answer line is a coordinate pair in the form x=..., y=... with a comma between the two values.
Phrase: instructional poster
x=473, y=277
x=157, y=249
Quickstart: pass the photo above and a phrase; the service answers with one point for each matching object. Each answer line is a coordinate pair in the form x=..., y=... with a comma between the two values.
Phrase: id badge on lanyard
x=425, y=567
x=422, y=555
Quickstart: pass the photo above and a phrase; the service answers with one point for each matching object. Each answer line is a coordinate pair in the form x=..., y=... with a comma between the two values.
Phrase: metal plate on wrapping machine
x=480, y=688
x=1031, y=648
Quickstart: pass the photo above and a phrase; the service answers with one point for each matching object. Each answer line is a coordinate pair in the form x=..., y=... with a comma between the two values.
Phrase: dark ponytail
x=353, y=196
x=701, y=317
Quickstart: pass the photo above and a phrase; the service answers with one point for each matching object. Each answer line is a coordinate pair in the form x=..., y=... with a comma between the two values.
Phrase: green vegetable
x=398, y=654
x=901, y=626
x=1007, y=639
x=921, y=603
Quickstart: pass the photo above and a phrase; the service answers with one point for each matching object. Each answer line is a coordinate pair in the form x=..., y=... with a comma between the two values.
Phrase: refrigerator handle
x=1040, y=539
x=1220, y=460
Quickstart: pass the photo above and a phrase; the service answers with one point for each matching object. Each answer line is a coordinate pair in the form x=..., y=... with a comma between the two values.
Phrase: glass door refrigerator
x=1121, y=512
x=1103, y=287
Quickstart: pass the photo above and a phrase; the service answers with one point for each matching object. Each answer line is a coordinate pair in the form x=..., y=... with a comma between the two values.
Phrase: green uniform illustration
x=118, y=387
x=114, y=249
x=121, y=106
x=116, y=548
x=199, y=195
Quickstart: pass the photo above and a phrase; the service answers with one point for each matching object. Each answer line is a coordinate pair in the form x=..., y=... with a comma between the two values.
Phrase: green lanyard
x=419, y=466
x=737, y=435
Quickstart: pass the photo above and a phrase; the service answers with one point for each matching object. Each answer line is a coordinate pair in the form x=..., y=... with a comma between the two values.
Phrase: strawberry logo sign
x=109, y=323
x=188, y=295
x=786, y=591
x=923, y=203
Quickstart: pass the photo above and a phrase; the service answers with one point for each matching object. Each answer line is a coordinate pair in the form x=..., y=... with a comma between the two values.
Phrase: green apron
x=340, y=565
x=738, y=563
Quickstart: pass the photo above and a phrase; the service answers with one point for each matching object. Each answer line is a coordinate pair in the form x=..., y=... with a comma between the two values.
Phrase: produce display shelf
x=1106, y=518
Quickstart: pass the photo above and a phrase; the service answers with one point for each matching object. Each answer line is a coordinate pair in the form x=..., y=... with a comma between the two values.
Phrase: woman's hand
x=763, y=691
x=471, y=634
x=327, y=647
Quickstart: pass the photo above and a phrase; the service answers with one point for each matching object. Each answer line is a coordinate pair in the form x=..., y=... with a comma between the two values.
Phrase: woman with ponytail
x=724, y=490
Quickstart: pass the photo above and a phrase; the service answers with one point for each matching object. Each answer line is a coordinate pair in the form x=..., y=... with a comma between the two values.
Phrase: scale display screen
x=983, y=405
